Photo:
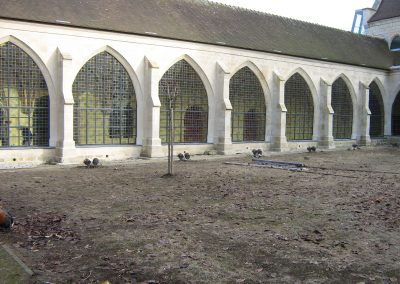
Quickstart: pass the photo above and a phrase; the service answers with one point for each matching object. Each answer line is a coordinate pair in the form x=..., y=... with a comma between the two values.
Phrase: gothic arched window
x=24, y=100
x=248, y=107
x=105, y=103
x=300, y=109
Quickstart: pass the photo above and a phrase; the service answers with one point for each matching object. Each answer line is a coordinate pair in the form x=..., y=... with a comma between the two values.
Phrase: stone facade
x=386, y=29
x=60, y=52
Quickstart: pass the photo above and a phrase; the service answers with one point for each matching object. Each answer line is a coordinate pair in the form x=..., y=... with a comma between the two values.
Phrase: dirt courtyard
x=336, y=222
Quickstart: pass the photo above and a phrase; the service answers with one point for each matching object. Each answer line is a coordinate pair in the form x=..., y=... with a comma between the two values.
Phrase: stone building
x=91, y=78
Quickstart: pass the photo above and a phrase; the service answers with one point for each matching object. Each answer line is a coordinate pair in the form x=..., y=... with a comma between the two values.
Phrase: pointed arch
x=35, y=57
x=200, y=72
x=121, y=59
x=24, y=97
x=309, y=81
x=343, y=104
x=351, y=88
x=377, y=81
x=183, y=82
x=377, y=108
x=105, y=102
x=140, y=101
x=248, y=100
x=299, y=102
x=260, y=76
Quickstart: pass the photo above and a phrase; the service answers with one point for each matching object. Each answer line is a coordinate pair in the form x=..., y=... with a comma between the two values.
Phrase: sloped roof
x=206, y=22
x=387, y=9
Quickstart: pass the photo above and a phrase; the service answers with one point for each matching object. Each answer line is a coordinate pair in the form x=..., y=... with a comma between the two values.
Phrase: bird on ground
x=355, y=147
x=87, y=162
x=96, y=162
x=184, y=157
x=257, y=153
x=311, y=149
x=181, y=157
x=187, y=155
x=6, y=220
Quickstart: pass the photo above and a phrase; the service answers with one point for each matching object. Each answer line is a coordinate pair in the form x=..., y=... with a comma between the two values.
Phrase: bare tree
x=172, y=93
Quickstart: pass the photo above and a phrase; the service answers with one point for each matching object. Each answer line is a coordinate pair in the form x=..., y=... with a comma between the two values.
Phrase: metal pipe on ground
x=278, y=163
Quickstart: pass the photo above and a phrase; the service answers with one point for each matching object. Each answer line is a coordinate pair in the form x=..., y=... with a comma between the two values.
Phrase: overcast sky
x=333, y=13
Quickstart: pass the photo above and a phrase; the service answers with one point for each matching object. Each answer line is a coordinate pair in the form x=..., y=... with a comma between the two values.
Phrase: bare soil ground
x=337, y=222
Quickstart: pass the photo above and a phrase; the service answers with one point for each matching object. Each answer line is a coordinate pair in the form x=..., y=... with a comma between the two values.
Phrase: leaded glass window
x=190, y=107
x=248, y=107
x=105, y=103
x=24, y=100
x=377, y=119
x=300, y=109
x=343, y=107
x=396, y=116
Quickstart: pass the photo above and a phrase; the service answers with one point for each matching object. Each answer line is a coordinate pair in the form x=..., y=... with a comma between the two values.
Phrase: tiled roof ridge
x=209, y=22
x=263, y=13
x=384, y=12
x=377, y=10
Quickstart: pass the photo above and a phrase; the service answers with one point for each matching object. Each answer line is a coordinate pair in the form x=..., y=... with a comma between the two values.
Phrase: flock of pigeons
x=184, y=157
x=92, y=164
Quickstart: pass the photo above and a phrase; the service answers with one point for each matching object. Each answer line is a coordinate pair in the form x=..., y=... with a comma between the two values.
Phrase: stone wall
x=60, y=52
x=386, y=29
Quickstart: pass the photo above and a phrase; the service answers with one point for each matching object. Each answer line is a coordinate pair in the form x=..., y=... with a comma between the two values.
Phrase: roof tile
x=207, y=22
x=387, y=9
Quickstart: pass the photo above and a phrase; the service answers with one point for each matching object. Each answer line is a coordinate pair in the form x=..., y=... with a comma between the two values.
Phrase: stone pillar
x=65, y=146
x=387, y=114
x=223, y=111
x=151, y=122
x=326, y=137
x=364, y=114
x=278, y=111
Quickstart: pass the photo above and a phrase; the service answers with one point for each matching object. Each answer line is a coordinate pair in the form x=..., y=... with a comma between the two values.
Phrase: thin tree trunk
x=169, y=140
x=172, y=139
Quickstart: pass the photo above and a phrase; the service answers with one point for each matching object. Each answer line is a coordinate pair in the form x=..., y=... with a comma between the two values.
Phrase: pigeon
x=311, y=149
x=257, y=153
x=6, y=220
x=96, y=162
x=356, y=147
x=187, y=155
x=87, y=162
x=181, y=157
